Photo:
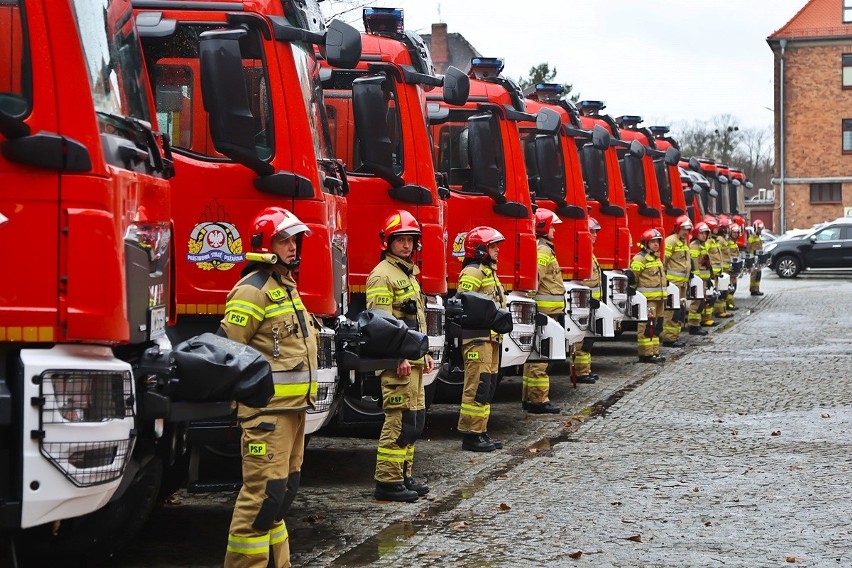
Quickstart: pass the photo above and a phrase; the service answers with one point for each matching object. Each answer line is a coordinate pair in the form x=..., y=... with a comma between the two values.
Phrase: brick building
x=813, y=115
x=449, y=49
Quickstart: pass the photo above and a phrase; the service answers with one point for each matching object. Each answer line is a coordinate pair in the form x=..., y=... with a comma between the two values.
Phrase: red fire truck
x=556, y=179
x=88, y=430
x=477, y=147
x=607, y=197
x=378, y=128
x=238, y=90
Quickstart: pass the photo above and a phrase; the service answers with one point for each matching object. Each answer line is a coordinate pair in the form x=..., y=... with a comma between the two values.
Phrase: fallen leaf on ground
x=635, y=538
x=708, y=524
x=791, y=559
x=504, y=507
x=459, y=525
x=825, y=415
x=172, y=500
x=539, y=517
x=533, y=450
x=313, y=519
x=695, y=490
x=733, y=432
x=575, y=555
x=776, y=433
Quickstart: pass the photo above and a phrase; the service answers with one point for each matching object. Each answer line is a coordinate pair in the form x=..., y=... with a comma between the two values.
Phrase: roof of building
x=816, y=19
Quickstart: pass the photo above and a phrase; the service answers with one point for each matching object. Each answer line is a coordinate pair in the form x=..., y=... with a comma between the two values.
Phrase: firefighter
x=716, y=251
x=754, y=245
x=649, y=277
x=582, y=349
x=264, y=311
x=678, y=265
x=480, y=351
x=722, y=241
x=699, y=314
x=735, y=232
x=549, y=300
x=392, y=286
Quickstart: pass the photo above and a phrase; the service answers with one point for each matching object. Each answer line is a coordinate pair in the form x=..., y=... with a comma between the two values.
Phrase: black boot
x=697, y=331
x=676, y=343
x=395, y=492
x=651, y=359
x=477, y=443
x=420, y=488
x=498, y=445
x=544, y=407
x=587, y=379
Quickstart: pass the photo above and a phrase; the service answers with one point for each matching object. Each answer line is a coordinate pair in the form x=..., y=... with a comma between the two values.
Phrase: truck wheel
x=91, y=540
x=787, y=267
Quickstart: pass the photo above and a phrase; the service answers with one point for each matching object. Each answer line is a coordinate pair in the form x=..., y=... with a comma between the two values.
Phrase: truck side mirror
x=637, y=149
x=736, y=182
x=342, y=45
x=694, y=164
x=601, y=139
x=594, y=173
x=456, y=86
x=672, y=156
x=548, y=162
x=223, y=88
x=548, y=121
x=723, y=179
x=372, y=130
x=634, y=176
x=11, y=108
x=483, y=144
x=749, y=185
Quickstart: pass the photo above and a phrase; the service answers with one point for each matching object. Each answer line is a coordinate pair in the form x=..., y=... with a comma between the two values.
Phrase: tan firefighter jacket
x=715, y=253
x=550, y=297
x=700, y=254
x=754, y=243
x=650, y=275
x=264, y=311
x=678, y=260
x=482, y=278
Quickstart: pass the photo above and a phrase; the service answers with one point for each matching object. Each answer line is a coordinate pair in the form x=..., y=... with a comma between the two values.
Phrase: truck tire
x=91, y=540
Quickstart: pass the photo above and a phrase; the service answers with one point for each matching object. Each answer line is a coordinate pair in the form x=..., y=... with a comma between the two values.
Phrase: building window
x=847, y=11
x=847, y=135
x=847, y=70
x=826, y=193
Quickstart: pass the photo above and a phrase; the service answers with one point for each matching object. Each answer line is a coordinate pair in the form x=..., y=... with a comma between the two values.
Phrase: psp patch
x=257, y=449
x=473, y=355
x=237, y=318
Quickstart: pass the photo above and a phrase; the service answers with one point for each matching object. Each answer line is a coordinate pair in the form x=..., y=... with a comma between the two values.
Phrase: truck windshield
x=455, y=154
x=15, y=88
x=174, y=65
x=345, y=142
x=113, y=58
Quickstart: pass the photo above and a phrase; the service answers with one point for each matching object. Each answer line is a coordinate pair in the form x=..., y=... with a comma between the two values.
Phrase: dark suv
x=829, y=246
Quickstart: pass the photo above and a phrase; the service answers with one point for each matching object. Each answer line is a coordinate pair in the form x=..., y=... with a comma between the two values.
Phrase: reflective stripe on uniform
x=250, y=544
x=278, y=534
x=536, y=381
x=475, y=410
x=295, y=383
x=652, y=293
x=244, y=307
x=677, y=276
x=409, y=456
x=585, y=358
x=549, y=300
x=284, y=308
x=391, y=455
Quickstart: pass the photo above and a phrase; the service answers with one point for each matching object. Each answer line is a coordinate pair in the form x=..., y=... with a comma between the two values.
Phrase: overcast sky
x=667, y=60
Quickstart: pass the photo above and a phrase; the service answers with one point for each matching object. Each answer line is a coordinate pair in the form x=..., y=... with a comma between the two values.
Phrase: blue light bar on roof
x=592, y=105
x=485, y=67
x=629, y=119
x=384, y=21
x=659, y=130
x=549, y=91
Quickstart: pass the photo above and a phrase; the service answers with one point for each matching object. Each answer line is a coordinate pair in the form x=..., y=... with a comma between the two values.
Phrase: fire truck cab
x=378, y=128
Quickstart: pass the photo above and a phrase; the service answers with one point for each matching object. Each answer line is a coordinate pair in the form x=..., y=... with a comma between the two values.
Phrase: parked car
x=829, y=246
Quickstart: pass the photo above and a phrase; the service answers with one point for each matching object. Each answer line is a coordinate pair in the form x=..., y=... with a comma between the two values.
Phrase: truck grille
x=326, y=351
x=434, y=321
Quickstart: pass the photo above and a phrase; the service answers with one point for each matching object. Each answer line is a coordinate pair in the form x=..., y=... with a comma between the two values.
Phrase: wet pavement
x=736, y=452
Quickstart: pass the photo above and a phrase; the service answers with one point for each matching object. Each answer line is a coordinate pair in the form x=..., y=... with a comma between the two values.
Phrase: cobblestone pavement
x=736, y=452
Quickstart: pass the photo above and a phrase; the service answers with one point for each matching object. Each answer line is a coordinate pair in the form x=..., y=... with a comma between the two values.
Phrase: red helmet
x=739, y=220
x=594, y=225
x=735, y=228
x=758, y=225
x=701, y=228
x=724, y=220
x=478, y=239
x=682, y=222
x=544, y=219
x=649, y=236
x=711, y=222
x=400, y=223
x=274, y=222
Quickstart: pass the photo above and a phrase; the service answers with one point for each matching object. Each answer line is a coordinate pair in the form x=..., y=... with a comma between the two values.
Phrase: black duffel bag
x=212, y=368
x=480, y=312
x=382, y=336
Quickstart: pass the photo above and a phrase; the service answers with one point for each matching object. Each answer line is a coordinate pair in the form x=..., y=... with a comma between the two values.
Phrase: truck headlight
x=580, y=299
x=86, y=396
